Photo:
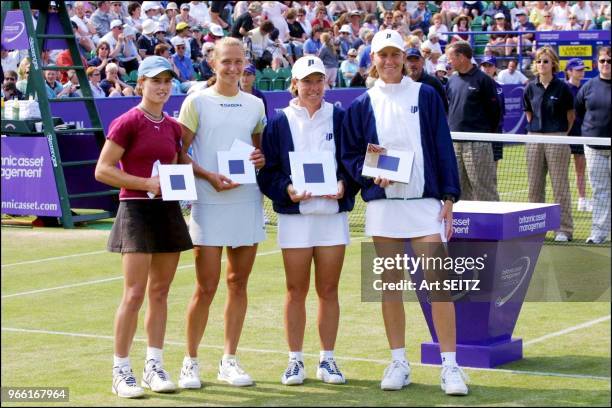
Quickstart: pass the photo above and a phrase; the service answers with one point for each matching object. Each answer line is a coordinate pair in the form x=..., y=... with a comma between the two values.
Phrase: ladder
x=36, y=86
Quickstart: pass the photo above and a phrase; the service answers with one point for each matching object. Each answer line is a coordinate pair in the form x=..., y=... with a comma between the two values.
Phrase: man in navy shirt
x=473, y=107
x=414, y=64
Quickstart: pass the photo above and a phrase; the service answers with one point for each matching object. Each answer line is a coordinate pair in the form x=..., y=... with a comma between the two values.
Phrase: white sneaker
x=231, y=372
x=396, y=376
x=156, y=378
x=294, y=374
x=190, y=374
x=124, y=383
x=561, y=237
x=328, y=372
x=595, y=240
x=452, y=381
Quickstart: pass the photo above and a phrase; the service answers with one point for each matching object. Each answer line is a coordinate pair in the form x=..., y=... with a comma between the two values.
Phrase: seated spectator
x=433, y=43
x=420, y=17
x=160, y=37
x=313, y=44
x=525, y=40
x=354, y=24
x=359, y=80
x=364, y=55
x=344, y=43
x=247, y=84
x=450, y=10
x=572, y=24
x=23, y=72
x=184, y=16
x=462, y=24
x=297, y=36
x=146, y=42
x=183, y=63
x=183, y=31
x=321, y=20
x=102, y=58
x=437, y=28
x=245, y=22
x=441, y=72
x=511, y=76
x=473, y=8
x=273, y=11
x=72, y=87
x=101, y=19
x=134, y=18
x=167, y=22
x=497, y=42
x=114, y=38
x=258, y=43
x=64, y=59
x=215, y=32
x=163, y=50
x=204, y=68
x=117, y=11
x=94, y=77
x=387, y=21
x=112, y=85
x=9, y=86
x=53, y=87
x=496, y=7
x=547, y=24
x=349, y=67
x=150, y=10
x=304, y=22
x=216, y=10
x=519, y=7
x=129, y=58
x=200, y=12
x=85, y=27
x=196, y=41
x=536, y=16
x=560, y=13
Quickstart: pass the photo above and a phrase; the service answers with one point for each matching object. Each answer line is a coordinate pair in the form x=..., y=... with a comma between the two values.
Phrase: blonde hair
x=111, y=66
x=549, y=52
x=326, y=39
x=225, y=42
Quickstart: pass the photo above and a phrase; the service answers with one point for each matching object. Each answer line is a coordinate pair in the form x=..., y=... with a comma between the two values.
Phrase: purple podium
x=509, y=236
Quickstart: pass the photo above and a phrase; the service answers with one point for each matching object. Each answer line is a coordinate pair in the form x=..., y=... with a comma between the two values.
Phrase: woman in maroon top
x=149, y=233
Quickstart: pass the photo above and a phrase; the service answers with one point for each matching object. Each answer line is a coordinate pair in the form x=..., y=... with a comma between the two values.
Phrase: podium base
x=476, y=356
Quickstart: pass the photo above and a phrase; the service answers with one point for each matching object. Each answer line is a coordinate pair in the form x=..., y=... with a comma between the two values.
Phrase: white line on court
x=55, y=258
x=346, y=358
x=568, y=330
x=96, y=281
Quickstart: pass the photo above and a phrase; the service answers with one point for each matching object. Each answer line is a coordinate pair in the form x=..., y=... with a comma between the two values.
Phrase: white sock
x=296, y=355
x=325, y=354
x=121, y=361
x=449, y=359
x=188, y=359
x=399, y=354
x=154, y=353
x=228, y=357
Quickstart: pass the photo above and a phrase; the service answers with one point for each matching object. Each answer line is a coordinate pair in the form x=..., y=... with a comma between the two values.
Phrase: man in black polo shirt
x=244, y=23
x=414, y=64
x=473, y=107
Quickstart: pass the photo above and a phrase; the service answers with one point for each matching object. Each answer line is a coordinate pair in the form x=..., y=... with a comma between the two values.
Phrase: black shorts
x=577, y=149
x=149, y=226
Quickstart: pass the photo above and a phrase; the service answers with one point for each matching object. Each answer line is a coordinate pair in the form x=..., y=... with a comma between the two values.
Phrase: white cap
x=149, y=26
x=431, y=36
x=500, y=15
x=116, y=23
x=387, y=38
x=177, y=41
x=216, y=30
x=345, y=29
x=148, y=5
x=441, y=67
x=171, y=6
x=307, y=65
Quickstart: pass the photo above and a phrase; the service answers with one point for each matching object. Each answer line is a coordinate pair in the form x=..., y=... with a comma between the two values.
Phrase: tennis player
x=401, y=114
x=309, y=228
x=225, y=214
x=149, y=233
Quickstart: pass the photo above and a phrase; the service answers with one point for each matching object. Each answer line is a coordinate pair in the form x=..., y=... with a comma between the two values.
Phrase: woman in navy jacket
x=309, y=228
x=400, y=114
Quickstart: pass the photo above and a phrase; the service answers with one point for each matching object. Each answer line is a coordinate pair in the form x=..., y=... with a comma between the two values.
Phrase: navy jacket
x=440, y=164
x=275, y=176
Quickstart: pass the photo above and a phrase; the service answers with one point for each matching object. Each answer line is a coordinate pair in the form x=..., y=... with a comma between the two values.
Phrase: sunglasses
x=179, y=47
x=10, y=78
x=542, y=61
x=605, y=61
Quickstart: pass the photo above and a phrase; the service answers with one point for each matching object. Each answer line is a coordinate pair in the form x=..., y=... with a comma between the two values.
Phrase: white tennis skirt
x=404, y=218
x=312, y=230
x=234, y=225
